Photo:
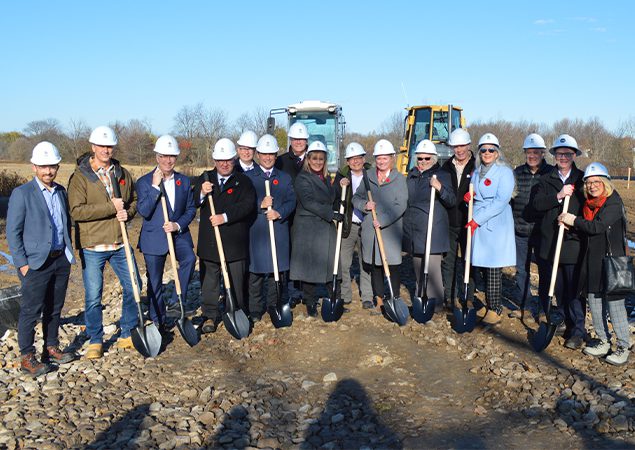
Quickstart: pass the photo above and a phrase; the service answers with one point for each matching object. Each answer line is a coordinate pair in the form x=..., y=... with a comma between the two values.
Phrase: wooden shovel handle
x=272, y=238
x=556, y=255
x=219, y=244
x=175, y=273
x=131, y=269
x=429, y=230
x=380, y=240
x=468, y=243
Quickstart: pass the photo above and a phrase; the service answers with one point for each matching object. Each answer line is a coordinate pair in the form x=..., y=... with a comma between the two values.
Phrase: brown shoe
x=125, y=343
x=492, y=318
x=95, y=351
x=480, y=313
x=31, y=366
x=57, y=356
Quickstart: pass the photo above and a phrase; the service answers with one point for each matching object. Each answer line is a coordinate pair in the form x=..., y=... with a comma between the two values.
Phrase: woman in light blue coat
x=492, y=225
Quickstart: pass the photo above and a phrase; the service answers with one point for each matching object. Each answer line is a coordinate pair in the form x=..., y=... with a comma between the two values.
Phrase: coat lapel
x=39, y=198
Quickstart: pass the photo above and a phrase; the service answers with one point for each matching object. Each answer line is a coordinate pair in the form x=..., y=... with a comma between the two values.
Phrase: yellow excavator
x=434, y=122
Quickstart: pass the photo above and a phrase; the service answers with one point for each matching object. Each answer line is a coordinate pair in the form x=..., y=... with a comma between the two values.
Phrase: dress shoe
x=368, y=304
x=208, y=326
x=311, y=310
x=55, y=355
x=31, y=366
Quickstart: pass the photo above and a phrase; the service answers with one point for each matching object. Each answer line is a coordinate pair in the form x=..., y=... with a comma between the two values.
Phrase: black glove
x=338, y=217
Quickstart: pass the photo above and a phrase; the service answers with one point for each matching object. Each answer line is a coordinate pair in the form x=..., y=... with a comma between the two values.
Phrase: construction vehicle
x=433, y=122
x=324, y=122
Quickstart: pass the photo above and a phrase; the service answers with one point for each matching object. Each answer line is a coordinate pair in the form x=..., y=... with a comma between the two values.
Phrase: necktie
x=268, y=174
x=222, y=183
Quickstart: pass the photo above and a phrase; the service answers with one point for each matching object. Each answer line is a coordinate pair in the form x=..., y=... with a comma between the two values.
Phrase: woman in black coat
x=425, y=175
x=313, y=235
x=602, y=221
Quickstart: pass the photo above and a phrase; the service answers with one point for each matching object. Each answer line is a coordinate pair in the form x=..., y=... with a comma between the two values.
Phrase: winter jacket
x=545, y=202
x=457, y=215
x=92, y=210
x=391, y=200
x=345, y=172
x=289, y=163
x=524, y=216
x=415, y=220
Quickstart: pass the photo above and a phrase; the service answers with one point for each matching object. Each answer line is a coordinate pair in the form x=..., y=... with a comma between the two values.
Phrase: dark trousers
x=377, y=279
x=43, y=294
x=309, y=295
x=451, y=266
x=155, y=264
x=262, y=293
x=210, y=285
x=526, y=253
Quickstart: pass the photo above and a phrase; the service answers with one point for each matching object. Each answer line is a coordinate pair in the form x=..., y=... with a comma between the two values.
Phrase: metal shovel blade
x=281, y=315
x=10, y=299
x=332, y=310
x=235, y=320
x=541, y=338
x=186, y=328
x=396, y=310
x=422, y=310
x=146, y=340
x=463, y=319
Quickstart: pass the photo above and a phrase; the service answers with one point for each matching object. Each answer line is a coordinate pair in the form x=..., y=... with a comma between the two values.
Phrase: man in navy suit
x=38, y=233
x=153, y=241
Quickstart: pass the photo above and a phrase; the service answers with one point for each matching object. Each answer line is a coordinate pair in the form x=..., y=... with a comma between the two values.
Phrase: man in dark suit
x=38, y=233
x=153, y=241
x=235, y=204
x=246, y=148
x=291, y=162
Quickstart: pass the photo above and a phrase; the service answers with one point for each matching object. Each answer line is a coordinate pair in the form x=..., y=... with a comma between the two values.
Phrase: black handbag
x=618, y=275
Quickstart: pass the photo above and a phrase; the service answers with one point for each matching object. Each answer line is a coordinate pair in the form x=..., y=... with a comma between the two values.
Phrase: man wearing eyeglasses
x=551, y=191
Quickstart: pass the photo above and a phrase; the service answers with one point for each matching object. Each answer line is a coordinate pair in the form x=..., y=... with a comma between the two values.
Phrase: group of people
x=516, y=214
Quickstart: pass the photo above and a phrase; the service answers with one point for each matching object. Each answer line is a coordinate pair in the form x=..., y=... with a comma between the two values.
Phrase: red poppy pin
x=122, y=182
x=230, y=191
x=487, y=181
x=178, y=182
x=387, y=180
x=275, y=182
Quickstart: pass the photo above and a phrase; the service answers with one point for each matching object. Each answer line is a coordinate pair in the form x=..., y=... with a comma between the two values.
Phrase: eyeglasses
x=422, y=158
x=489, y=150
x=567, y=155
x=593, y=183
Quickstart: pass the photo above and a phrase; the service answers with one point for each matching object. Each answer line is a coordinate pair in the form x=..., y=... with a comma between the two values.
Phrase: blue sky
x=103, y=61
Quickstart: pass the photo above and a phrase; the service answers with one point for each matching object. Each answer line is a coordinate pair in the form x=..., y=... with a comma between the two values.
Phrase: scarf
x=319, y=174
x=592, y=206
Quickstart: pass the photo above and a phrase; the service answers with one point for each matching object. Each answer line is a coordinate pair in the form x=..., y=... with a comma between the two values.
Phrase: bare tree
x=76, y=142
x=136, y=142
x=255, y=121
x=392, y=129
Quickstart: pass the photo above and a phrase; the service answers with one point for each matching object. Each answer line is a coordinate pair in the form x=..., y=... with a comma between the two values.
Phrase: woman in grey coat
x=425, y=175
x=314, y=234
x=390, y=197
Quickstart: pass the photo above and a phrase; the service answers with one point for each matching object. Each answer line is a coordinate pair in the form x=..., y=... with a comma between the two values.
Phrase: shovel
x=464, y=319
x=396, y=309
x=235, y=319
x=281, y=315
x=146, y=339
x=185, y=326
x=422, y=306
x=541, y=338
x=333, y=308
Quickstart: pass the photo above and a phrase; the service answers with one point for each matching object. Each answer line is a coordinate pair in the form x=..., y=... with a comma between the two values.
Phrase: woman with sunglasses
x=604, y=226
x=492, y=224
x=548, y=200
x=424, y=176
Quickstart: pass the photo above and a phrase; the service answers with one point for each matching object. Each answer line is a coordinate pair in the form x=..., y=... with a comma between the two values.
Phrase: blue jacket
x=284, y=201
x=493, y=243
x=152, y=239
x=29, y=229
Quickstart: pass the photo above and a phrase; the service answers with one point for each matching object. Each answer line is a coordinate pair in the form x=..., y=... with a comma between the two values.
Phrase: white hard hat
x=317, y=146
x=224, y=149
x=459, y=136
x=45, y=154
x=298, y=131
x=267, y=144
x=383, y=147
x=596, y=169
x=488, y=138
x=103, y=135
x=534, y=140
x=354, y=149
x=564, y=140
x=167, y=145
x=248, y=139
x=426, y=146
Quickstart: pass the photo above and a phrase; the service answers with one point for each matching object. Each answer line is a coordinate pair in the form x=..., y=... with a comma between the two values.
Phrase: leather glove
x=338, y=217
x=467, y=197
x=472, y=225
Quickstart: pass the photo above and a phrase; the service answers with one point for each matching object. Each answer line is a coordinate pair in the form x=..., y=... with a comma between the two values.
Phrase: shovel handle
x=380, y=240
x=429, y=230
x=166, y=218
x=468, y=243
x=219, y=244
x=338, y=242
x=272, y=238
x=556, y=255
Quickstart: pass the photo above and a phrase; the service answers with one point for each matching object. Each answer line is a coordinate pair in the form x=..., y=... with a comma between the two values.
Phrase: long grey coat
x=313, y=234
x=391, y=199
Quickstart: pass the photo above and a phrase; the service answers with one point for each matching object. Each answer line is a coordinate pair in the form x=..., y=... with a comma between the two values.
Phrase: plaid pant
x=494, y=288
x=617, y=312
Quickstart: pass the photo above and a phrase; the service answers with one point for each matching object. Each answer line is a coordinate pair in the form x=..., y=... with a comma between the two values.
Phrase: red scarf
x=592, y=206
x=319, y=174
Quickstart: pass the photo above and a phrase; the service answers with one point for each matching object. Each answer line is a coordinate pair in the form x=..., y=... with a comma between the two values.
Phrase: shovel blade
x=188, y=331
x=396, y=310
x=237, y=324
x=146, y=340
x=541, y=338
x=422, y=309
x=10, y=299
x=332, y=310
x=281, y=316
x=463, y=320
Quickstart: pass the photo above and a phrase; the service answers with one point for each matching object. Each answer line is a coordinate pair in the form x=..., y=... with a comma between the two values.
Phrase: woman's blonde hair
x=608, y=187
x=305, y=163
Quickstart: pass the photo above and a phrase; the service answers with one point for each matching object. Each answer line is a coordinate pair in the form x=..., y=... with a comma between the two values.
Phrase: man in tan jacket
x=97, y=213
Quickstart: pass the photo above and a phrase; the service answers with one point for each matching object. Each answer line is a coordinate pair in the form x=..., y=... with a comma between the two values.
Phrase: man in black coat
x=548, y=200
x=291, y=162
x=235, y=203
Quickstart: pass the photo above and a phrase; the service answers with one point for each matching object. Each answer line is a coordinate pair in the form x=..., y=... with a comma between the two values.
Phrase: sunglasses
x=564, y=155
x=424, y=158
x=489, y=150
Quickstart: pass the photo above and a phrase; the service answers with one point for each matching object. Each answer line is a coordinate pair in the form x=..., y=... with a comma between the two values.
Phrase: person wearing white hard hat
x=492, y=224
x=246, y=148
x=96, y=211
x=313, y=235
x=235, y=204
x=460, y=167
x=603, y=224
x=39, y=237
x=262, y=289
x=551, y=190
x=351, y=174
x=292, y=161
x=153, y=241
x=526, y=220
x=426, y=175
x=390, y=198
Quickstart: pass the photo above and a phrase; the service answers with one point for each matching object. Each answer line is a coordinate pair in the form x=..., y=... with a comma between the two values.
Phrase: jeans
x=93, y=264
x=526, y=252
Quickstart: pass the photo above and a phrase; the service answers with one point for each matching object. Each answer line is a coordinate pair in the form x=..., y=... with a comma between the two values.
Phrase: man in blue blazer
x=153, y=241
x=38, y=233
